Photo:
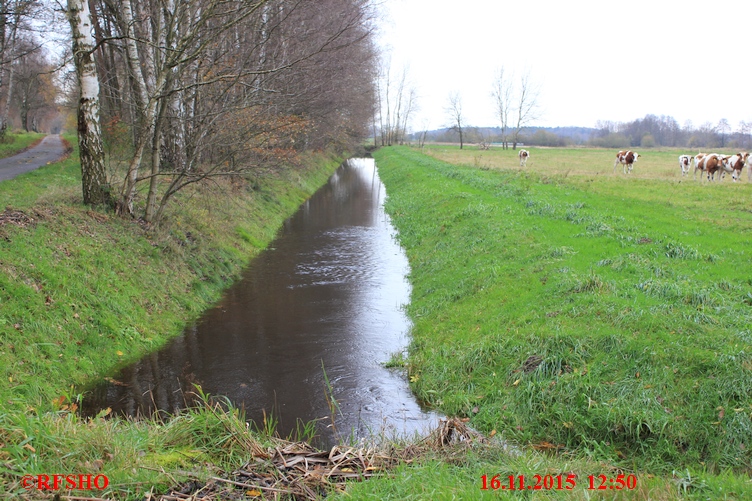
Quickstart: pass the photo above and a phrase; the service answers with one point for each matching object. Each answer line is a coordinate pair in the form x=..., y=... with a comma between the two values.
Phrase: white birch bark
x=94, y=179
x=167, y=36
x=143, y=107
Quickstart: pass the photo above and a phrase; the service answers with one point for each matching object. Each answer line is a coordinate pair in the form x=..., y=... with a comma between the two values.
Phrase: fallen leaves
x=298, y=470
x=16, y=218
x=546, y=446
x=60, y=403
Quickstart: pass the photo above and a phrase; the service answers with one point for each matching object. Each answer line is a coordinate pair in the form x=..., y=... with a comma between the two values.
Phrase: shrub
x=648, y=141
x=610, y=141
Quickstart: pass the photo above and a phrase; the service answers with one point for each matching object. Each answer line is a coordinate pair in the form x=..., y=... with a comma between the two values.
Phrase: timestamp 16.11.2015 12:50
x=556, y=482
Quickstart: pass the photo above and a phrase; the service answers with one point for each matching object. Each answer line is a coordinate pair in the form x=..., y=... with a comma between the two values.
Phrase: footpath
x=49, y=150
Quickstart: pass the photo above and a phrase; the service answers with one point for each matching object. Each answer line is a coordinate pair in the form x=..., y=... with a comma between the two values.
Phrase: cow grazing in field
x=524, y=155
x=627, y=159
x=710, y=164
x=698, y=162
x=736, y=163
x=685, y=161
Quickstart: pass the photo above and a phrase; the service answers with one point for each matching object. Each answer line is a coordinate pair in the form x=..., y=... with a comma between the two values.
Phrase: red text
x=55, y=482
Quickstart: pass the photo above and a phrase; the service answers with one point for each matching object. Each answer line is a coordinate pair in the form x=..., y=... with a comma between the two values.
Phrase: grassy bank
x=14, y=143
x=83, y=292
x=580, y=312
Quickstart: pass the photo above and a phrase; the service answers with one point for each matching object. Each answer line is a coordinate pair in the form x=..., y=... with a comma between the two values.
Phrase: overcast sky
x=593, y=60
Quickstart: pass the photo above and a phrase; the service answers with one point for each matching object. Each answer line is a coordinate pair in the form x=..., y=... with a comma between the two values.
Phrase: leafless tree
x=35, y=89
x=502, y=95
x=744, y=129
x=723, y=128
x=606, y=127
x=15, y=43
x=526, y=108
x=454, y=113
x=220, y=87
x=397, y=104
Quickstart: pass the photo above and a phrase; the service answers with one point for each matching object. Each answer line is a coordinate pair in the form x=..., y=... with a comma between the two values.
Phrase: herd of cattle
x=714, y=163
x=709, y=163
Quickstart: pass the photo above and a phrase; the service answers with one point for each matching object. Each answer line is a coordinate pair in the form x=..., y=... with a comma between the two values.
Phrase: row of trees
x=664, y=130
x=607, y=135
x=28, y=87
x=707, y=136
x=207, y=88
x=488, y=135
x=397, y=102
x=515, y=103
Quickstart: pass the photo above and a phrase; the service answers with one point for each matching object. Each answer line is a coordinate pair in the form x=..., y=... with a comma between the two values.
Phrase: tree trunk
x=24, y=115
x=93, y=178
x=156, y=154
x=3, y=22
x=145, y=109
x=9, y=51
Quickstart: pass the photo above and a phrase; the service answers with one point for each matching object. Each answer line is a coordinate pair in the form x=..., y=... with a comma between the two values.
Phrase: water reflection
x=323, y=302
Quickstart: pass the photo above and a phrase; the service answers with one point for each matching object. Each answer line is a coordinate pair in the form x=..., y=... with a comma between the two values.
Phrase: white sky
x=593, y=60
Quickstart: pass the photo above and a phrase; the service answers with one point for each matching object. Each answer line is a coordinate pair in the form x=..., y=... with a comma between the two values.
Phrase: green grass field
x=571, y=309
x=16, y=142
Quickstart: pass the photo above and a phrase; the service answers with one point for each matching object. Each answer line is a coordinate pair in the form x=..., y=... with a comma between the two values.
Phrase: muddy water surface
x=311, y=323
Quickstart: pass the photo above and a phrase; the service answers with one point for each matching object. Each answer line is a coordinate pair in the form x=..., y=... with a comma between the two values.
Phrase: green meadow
x=582, y=312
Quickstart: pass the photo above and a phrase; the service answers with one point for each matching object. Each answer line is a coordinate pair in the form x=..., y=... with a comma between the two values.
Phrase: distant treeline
x=648, y=132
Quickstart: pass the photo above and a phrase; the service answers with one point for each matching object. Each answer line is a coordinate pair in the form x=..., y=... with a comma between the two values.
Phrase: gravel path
x=50, y=149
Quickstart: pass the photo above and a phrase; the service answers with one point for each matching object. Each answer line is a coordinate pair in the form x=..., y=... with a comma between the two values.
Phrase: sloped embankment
x=560, y=316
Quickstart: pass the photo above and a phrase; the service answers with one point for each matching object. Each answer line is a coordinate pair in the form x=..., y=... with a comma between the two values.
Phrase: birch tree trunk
x=144, y=116
x=3, y=22
x=9, y=51
x=93, y=177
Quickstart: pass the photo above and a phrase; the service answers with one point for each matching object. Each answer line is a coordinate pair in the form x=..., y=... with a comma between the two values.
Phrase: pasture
x=656, y=178
x=654, y=163
x=576, y=310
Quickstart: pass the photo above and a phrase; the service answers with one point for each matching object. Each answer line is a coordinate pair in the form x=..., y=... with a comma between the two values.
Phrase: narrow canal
x=304, y=335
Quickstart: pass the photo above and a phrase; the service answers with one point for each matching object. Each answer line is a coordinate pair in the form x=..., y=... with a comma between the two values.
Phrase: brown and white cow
x=711, y=164
x=524, y=155
x=685, y=161
x=698, y=162
x=627, y=159
x=736, y=163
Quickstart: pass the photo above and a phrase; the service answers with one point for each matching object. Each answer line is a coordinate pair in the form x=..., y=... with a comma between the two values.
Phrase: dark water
x=322, y=302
